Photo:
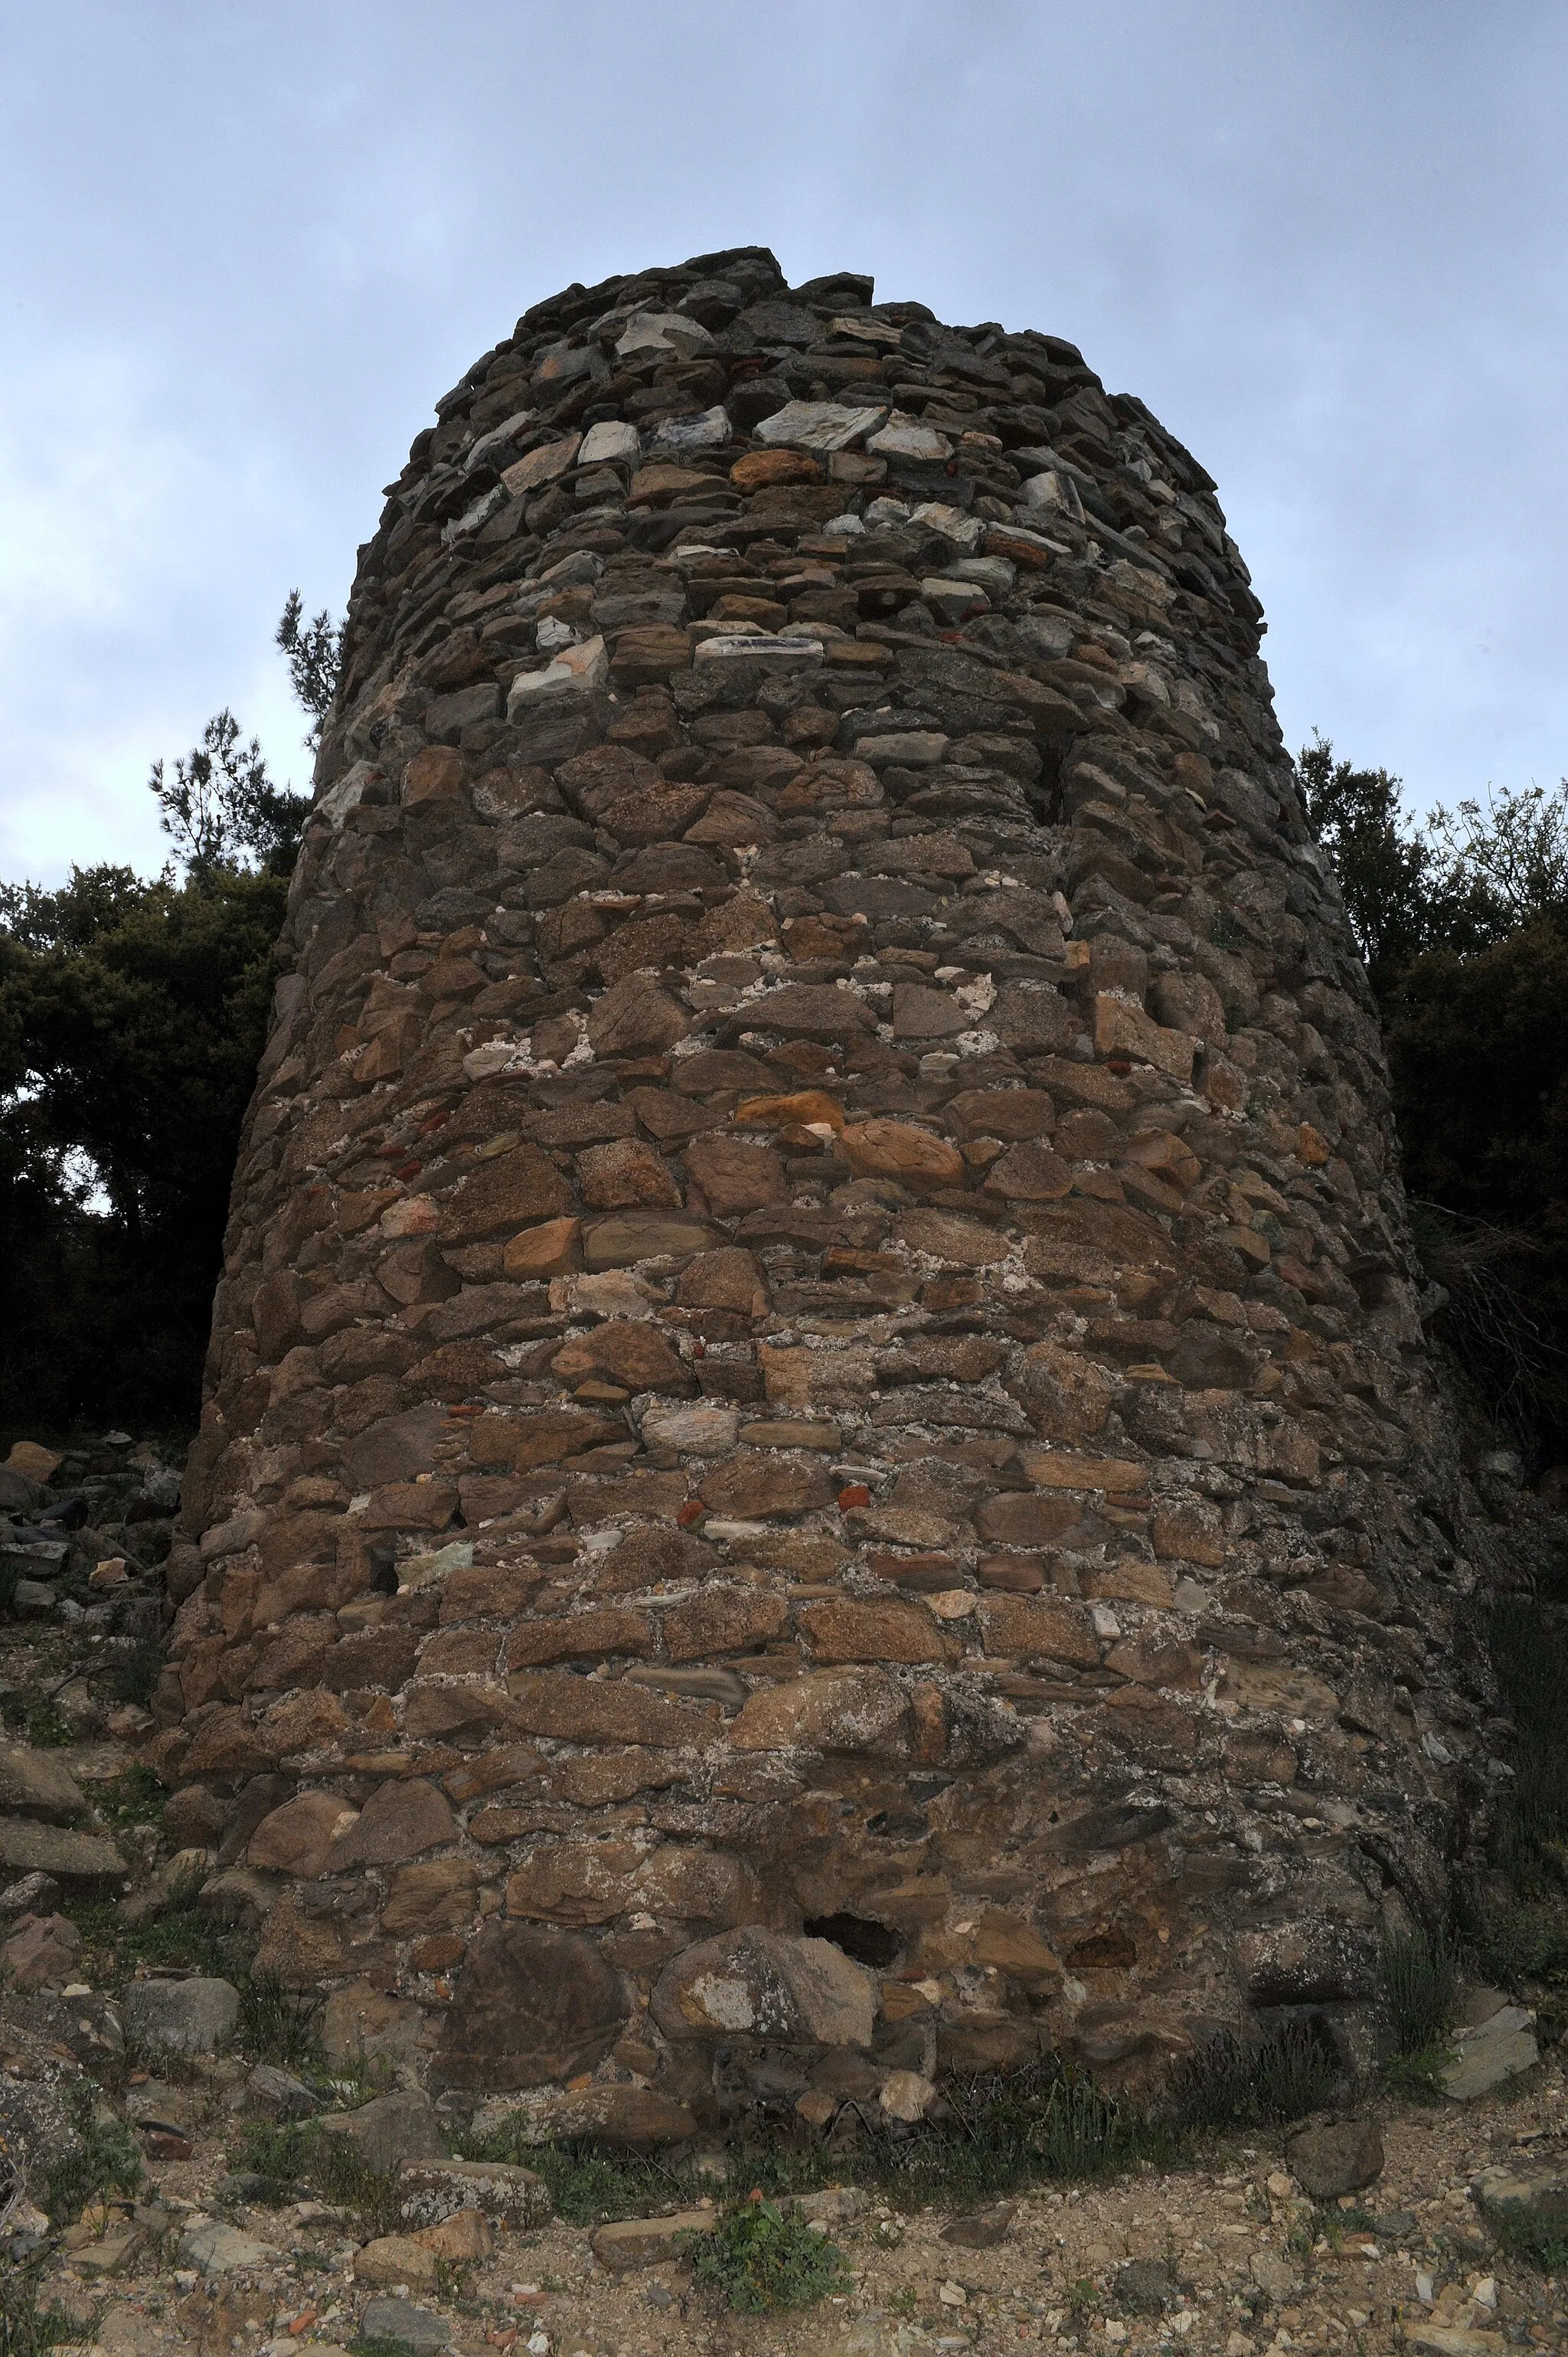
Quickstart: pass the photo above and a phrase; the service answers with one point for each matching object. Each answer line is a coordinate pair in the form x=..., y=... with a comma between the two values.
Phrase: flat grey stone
x=32, y=1784
x=818, y=426
x=1273, y=2275
x=77, y=1860
x=398, y=2319
x=1338, y=2158
x=511, y=2196
x=1145, y=2286
x=216, y=2249
x=393, y=2130
x=278, y=2094
x=36, y=1894
x=1485, y=2058
x=193, y=2016
x=1519, y=2189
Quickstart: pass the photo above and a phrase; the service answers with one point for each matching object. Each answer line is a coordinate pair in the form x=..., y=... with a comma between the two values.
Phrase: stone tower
x=819, y=1466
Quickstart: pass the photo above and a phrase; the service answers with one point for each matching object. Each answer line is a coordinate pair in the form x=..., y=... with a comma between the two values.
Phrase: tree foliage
x=131, y=1016
x=221, y=809
x=1464, y=926
x=315, y=655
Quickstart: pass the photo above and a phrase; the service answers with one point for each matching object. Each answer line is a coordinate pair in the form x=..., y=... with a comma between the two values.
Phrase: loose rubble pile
x=1390, y=2231
x=820, y=1466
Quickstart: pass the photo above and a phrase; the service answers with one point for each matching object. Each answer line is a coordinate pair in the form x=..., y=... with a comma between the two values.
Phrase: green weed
x=181, y=1934
x=1420, y=1981
x=278, y=2158
x=106, y=2160
x=1417, y=2077
x=27, y=2329
x=993, y=2131
x=761, y=2259
x=587, y=2186
x=1528, y=1643
x=135, y=1797
x=1232, y=2081
x=37, y=1723
x=280, y=2024
x=275, y=2158
x=131, y=1674
x=1543, y=2243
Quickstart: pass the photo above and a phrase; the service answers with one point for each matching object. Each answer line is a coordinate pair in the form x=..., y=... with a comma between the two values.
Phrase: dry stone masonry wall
x=819, y=1466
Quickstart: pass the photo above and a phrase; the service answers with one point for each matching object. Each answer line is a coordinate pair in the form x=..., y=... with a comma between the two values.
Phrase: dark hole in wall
x=868, y=1942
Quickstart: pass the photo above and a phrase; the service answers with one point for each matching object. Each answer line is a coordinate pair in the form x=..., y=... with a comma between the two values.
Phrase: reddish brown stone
x=622, y=1350
x=724, y=1621
x=751, y=1483
x=1067, y=1396
x=1029, y=1174
x=410, y=1506
x=623, y=1173
x=513, y=1190
x=950, y=1236
x=849, y=1632
x=297, y=1839
x=497, y=1592
x=1030, y=1628
x=760, y=467
x=439, y=1895
x=540, y=1437
x=655, y=815
x=577, y=1636
x=398, y=1821
x=593, y=1710
x=734, y=1177
x=903, y=1151
x=549, y=1250
x=634, y=1017
x=1026, y=1518
x=728, y=1279
x=531, y=2006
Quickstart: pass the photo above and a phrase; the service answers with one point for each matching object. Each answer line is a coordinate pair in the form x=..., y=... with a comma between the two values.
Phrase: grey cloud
x=247, y=248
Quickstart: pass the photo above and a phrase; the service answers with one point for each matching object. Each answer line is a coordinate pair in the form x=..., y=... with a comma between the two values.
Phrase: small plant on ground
x=588, y=2188
x=181, y=1934
x=277, y=2159
x=28, y=2328
x=133, y=1671
x=1232, y=2081
x=1421, y=1982
x=340, y=2177
x=280, y=2024
x=135, y=1797
x=104, y=2158
x=1543, y=2243
x=761, y=2259
x=1421, y=1979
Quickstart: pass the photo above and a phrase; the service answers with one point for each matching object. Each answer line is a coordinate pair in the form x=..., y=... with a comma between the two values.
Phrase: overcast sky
x=248, y=243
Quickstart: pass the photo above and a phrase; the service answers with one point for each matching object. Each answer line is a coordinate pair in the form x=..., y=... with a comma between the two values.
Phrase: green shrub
x=1542, y=2242
x=280, y=2024
x=762, y=2259
x=1420, y=1981
x=106, y=2160
x=27, y=2329
x=1233, y=2082
x=587, y=2186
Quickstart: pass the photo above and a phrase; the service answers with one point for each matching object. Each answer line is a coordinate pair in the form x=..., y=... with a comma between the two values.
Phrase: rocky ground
x=124, y=2048
x=1229, y=2255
